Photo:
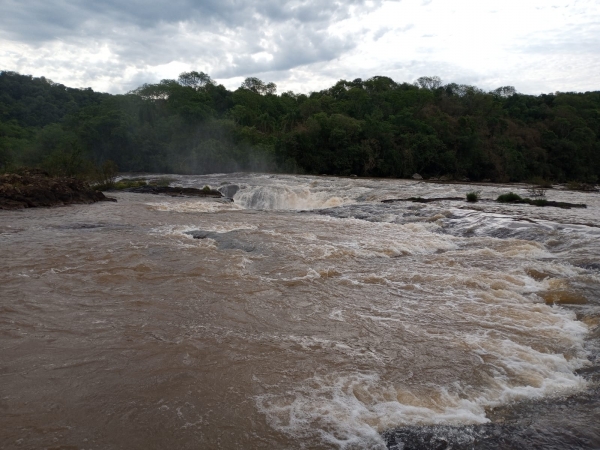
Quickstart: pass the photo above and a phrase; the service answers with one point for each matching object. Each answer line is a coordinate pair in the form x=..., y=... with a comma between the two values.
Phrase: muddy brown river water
x=309, y=315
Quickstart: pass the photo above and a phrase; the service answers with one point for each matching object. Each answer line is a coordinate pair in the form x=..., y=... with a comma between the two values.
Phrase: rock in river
x=229, y=190
x=34, y=188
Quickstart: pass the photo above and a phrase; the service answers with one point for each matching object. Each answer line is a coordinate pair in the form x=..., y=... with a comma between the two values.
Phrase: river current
x=309, y=315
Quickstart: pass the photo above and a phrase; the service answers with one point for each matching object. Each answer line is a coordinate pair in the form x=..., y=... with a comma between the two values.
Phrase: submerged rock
x=35, y=188
x=176, y=191
x=229, y=190
x=420, y=199
x=225, y=241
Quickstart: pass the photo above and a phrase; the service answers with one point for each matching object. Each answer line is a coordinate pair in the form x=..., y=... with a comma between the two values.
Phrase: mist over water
x=304, y=314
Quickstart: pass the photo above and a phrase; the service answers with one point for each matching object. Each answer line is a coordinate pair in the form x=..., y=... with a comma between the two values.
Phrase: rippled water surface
x=308, y=314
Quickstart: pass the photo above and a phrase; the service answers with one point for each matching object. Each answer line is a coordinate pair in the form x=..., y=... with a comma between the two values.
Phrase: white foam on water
x=494, y=248
x=226, y=227
x=285, y=197
x=183, y=230
x=337, y=315
x=350, y=410
x=311, y=275
x=379, y=239
x=524, y=249
x=196, y=206
x=525, y=348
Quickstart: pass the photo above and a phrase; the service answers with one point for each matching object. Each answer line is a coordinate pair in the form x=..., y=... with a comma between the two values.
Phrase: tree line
x=375, y=127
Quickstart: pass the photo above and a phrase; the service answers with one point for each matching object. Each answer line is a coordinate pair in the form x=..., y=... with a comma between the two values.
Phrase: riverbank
x=36, y=188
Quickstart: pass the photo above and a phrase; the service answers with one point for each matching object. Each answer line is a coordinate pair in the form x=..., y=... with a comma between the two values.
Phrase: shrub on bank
x=511, y=197
x=162, y=182
x=577, y=186
x=541, y=183
x=125, y=183
x=473, y=197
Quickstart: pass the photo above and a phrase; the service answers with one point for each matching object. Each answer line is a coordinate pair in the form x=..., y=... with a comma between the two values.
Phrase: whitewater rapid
x=304, y=314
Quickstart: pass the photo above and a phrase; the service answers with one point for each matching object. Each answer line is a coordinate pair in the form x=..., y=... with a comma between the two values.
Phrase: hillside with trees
x=375, y=127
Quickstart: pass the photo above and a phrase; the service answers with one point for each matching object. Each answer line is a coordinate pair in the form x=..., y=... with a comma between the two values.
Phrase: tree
x=431, y=83
x=504, y=91
x=258, y=86
x=160, y=91
x=196, y=80
x=367, y=127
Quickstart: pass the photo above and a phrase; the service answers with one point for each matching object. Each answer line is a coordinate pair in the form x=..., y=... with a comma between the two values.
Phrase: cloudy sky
x=305, y=45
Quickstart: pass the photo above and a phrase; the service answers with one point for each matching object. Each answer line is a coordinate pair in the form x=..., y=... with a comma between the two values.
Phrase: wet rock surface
x=232, y=240
x=36, y=189
x=525, y=201
x=421, y=200
x=176, y=191
x=531, y=425
x=229, y=190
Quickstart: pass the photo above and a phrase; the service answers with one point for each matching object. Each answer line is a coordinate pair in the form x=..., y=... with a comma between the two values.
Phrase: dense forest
x=375, y=127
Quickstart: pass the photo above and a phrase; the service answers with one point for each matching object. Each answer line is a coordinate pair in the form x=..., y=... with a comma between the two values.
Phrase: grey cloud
x=36, y=21
x=590, y=46
x=293, y=47
x=217, y=36
x=69, y=38
x=583, y=39
x=380, y=33
x=410, y=26
x=290, y=46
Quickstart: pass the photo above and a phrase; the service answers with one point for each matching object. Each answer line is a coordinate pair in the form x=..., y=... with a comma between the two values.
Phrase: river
x=309, y=315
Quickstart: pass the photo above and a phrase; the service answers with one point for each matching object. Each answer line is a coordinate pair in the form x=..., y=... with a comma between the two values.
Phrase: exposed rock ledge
x=35, y=188
x=176, y=191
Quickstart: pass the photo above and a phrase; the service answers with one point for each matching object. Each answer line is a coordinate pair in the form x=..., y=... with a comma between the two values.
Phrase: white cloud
x=537, y=45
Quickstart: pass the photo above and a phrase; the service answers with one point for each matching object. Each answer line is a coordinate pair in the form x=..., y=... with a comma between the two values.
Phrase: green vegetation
x=162, y=182
x=541, y=183
x=577, y=186
x=128, y=183
x=511, y=197
x=124, y=183
x=375, y=127
x=104, y=175
x=473, y=196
